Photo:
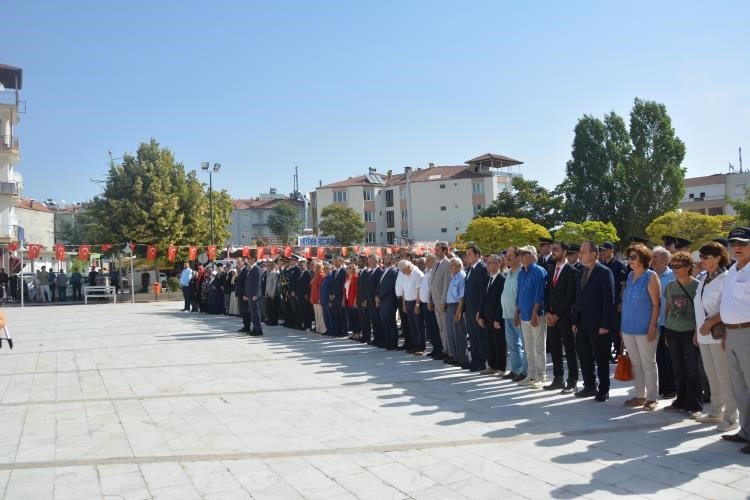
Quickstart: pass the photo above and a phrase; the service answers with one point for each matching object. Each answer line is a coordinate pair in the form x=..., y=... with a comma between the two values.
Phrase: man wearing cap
x=532, y=280
x=682, y=245
x=303, y=295
x=669, y=242
x=252, y=296
x=735, y=313
x=545, y=258
x=620, y=275
x=559, y=297
x=572, y=255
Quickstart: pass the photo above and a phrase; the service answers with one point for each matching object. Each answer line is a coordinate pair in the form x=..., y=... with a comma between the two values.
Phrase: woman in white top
x=714, y=259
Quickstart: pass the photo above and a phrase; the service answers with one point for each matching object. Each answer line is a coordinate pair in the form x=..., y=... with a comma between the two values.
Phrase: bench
x=99, y=291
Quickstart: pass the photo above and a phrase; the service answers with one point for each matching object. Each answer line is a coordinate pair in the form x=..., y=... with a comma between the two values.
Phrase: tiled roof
x=360, y=180
x=505, y=161
x=30, y=204
x=447, y=172
x=255, y=203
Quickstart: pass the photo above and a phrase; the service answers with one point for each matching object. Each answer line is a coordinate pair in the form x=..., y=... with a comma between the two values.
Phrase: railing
x=9, y=188
x=11, y=97
x=8, y=143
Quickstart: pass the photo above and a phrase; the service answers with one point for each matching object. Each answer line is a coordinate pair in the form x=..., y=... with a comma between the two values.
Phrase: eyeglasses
x=706, y=257
x=632, y=257
x=678, y=266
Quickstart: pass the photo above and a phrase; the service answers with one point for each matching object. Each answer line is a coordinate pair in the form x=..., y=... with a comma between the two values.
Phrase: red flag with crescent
x=13, y=246
x=367, y=251
x=172, y=253
x=106, y=246
x=211, y=252
x=246, y=251
x=274, y=251
x=388, y=251
x=379, y=251
x=260, y=252
x=288, y=252
x=321, y=253
x=33, y=251
x=60, y=252
x=84, y=252
x=192, y=253
x=151, y=252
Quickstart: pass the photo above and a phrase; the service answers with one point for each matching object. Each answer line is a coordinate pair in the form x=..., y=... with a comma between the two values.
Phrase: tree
x=527, y=200
x=284, y=220
x=696, y=227
x=743, y=208
x=493, y=234
x=624, y=176
x=344, y=224
x=149, y=198
x=594, y=230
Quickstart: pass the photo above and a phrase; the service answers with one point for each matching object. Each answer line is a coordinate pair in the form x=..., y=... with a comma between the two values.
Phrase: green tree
x=624, y=176
x=594, y=230
x=284, y=220
x=493, y=234
x=150, y=198
x=344, y=224
x=696, y=227
x=743, y=208
x=527, y=200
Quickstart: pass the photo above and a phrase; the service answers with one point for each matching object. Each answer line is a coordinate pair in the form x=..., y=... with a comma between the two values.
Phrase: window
x=691, y=196
x=390, y=220
x=703, y=195
x=339, y=196
x=369, y=216
x=368, y=194
x=404, y=215
x=477, y=187
x=404, y=234
x=442, y=186
x=402, y=193
x=477, y=209
x=443, y=229
x=443, y=209
x=391, y=238
x=389, y=198
x=370, y=237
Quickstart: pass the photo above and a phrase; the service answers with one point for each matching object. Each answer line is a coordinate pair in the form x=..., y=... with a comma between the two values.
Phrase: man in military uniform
x=545, y=259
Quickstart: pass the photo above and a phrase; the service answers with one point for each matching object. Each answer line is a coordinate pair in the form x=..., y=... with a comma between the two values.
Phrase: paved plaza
x=143, y=401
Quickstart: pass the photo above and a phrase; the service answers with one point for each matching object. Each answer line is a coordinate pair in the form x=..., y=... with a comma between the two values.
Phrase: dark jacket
x=386, y=290
x=490, y=308
x=303, y=283
x=363, y=285
x=339, y=278
x=372, y=285
x=252, y=283
x=239, y=288
x=595, y=302
x=476, y=285
x=559, y=299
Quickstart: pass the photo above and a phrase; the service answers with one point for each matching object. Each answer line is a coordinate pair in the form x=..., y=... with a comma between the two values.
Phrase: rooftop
x=256, y=203
x=495, y=160
x=11, y=77
x=30, y=204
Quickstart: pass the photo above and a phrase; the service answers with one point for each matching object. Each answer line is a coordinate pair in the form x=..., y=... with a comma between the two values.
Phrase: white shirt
x=400, y=284
x=735, y=296
x=412, y=283
x=424, y=288
x=707, y=304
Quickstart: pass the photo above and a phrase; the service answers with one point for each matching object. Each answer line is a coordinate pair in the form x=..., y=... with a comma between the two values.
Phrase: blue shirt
x=665, y=278
x=456, y=288
x=636, y=304
x=185, y=277
x=510, y=293
x=531, y=284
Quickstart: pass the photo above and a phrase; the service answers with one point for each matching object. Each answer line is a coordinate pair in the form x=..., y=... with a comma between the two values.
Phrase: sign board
x=316, y=241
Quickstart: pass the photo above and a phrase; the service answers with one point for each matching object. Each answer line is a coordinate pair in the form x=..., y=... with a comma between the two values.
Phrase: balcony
x=8, y=144
x=8, y=188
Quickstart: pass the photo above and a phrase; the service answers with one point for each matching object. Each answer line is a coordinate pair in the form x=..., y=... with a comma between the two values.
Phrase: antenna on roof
x=740, y=153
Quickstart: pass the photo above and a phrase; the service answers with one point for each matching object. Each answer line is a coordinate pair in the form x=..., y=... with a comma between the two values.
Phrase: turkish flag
x=33, y=251
x=307, y=253
x=344, y=251
x=321, y=253
x=288, y=252
x=192, y=253
x=379, y=251
x=106, y=246
x=388, y=251
x=60, y=252
x=172, y=253
x=211, y=252
x=84, y=252
x=246, y=251
x=259, y=253
x=274, y=251
x=12, y=247
x=151, y=252
x=367, y=251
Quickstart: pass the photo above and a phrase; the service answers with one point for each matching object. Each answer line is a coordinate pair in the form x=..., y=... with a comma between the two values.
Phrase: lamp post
x=205, y=167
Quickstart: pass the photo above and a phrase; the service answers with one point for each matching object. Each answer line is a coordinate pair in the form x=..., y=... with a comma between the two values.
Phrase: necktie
x=492, y=278
x=557, y=275
x=586, y=275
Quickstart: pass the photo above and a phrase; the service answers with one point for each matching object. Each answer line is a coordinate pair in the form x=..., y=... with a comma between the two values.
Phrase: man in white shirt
x=735, y=313
x=411, y=280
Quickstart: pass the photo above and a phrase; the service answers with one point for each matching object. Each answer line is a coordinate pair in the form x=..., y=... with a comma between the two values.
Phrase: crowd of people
x=682, y=317
x=48, y=285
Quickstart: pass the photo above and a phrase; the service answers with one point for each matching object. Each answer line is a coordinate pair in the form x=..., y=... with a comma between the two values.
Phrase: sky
x=335, y=87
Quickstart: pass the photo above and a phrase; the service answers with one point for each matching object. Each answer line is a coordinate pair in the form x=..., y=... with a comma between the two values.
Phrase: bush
x=173, y=284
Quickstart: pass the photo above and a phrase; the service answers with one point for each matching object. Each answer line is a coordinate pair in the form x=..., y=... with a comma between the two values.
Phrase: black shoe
x=243, y=330
x=256, y=334
x=402, y=348
x=509, y=376
x=570, y=387
x=476, y=369
x=601, y=396
x=464, y=366
x=587, y=392
x=556, y=384
x=519, y=377
x=670, y=395
x=448, y=360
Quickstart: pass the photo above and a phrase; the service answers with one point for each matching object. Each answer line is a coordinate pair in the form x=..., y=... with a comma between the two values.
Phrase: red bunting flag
x=13, y=246
x=246, y=251
x=60, y=252
x=367, y=251
x=379, y=251
x=288, y=252
x=84, y=252
x=151, y=252
x=211, y=252
x=321, y=254
x=192, y=253
x=259, y=253
x=106, y=246
x=172, y=253
x=388, y=251
x=33, y=251
x=274, y=251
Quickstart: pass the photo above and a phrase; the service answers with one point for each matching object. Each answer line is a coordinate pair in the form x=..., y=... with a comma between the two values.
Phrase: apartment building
x=711, y=194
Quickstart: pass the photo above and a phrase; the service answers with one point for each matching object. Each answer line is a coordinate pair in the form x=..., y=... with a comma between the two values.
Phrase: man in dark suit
x=476, y=286
x=491, y=318
x=385, y=301
x=302, y=292
x=594, y=311
x=239, y=291
x=376, y=272
x=545, y=260
x=363, y=287
x=560, y=296
x=295, y=314
x=252, y=296
x=336, y=296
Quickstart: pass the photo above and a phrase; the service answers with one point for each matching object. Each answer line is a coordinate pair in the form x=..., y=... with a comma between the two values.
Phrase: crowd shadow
x=629, y=465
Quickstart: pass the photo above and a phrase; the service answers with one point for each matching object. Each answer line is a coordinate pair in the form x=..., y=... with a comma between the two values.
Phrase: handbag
x=624, y=370
x=719, y=330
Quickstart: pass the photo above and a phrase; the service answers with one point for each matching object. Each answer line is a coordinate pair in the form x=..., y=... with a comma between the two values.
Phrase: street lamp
x=205, y=167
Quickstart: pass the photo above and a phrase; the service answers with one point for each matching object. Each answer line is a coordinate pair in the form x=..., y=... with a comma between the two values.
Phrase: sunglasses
x=632, y=257
x=706, y=257
x=678, y=266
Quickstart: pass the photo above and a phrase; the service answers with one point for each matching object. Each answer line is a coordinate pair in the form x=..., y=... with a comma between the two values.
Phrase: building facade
x=10, y=154
x=711, y=194
x=423, y=204
x=250, y=218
